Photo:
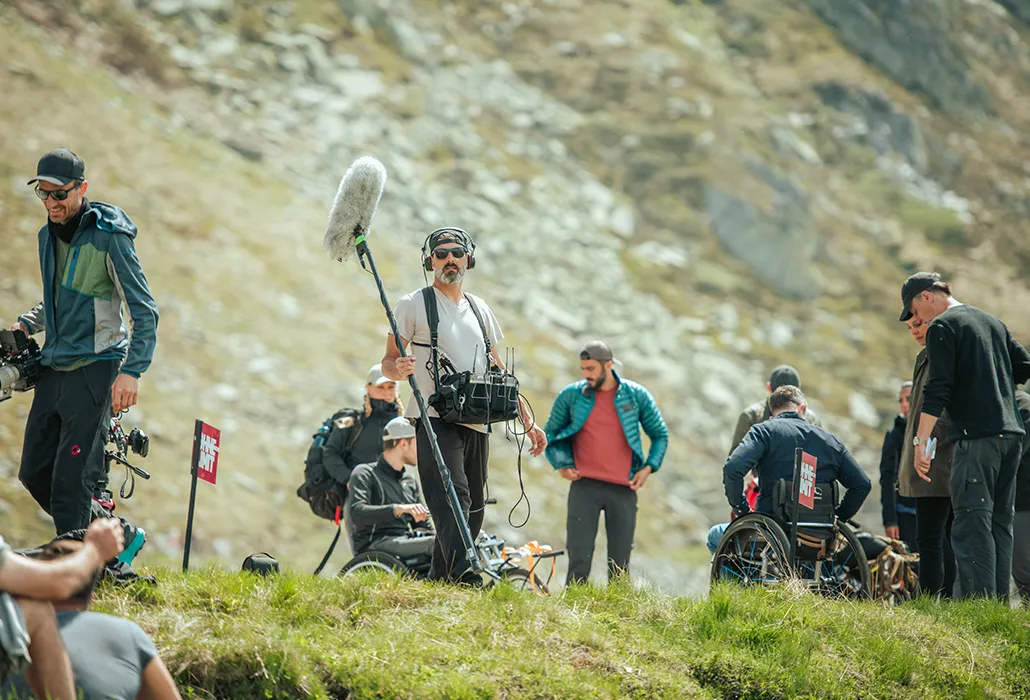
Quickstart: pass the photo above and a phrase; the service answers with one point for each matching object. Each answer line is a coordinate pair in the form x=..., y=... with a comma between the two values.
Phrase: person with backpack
x=349, y=437
x=451, y=333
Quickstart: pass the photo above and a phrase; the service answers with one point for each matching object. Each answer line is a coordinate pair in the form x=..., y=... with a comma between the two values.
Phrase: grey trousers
x=404, y=546
x=587, y=498
x=983, y=493
x=1021, y=553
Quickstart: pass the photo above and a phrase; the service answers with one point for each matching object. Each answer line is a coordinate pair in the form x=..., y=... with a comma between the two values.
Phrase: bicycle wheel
x=521, y=580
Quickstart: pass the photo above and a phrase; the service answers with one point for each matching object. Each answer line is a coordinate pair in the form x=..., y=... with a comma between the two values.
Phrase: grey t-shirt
x=460, y=339
x=108, y=655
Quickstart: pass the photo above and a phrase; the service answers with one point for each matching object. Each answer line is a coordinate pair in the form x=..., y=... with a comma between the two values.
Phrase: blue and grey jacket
x=635, y=406
x=81, y=310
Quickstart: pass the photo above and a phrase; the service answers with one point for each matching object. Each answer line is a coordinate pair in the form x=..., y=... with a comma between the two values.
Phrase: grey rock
x=293, y=62
x=883, y=126
x=221, y=46
x=862, y=410
x=1020, y=9
x=318, y=31
x=167, y=8
x=786, y=140
x=776, y=245
x=247, y=149
x=409, y=40
x=565, y=48
x=913, y=42
x=211, y=6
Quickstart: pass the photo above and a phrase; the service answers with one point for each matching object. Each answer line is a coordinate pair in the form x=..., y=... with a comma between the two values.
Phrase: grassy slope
x=236, y=635
x=222, y=240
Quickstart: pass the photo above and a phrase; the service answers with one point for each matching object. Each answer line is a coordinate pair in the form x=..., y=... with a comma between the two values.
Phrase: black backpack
x=320, y=491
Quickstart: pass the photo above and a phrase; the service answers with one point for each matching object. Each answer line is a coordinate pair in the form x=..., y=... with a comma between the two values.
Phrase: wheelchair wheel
x=378, y=561
x=845, y=571
x=521, y=580
x=753, y=550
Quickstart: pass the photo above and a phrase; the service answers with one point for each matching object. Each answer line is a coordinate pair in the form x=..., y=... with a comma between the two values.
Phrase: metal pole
x=795, y=490
x=193, y=496
x=445, y=473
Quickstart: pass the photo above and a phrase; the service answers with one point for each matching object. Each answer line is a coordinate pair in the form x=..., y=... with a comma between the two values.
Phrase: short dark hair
x=785, y=396
x=390, y=444
x=60, y=548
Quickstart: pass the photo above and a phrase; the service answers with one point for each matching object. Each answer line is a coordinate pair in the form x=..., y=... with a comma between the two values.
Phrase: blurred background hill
x=715, y=187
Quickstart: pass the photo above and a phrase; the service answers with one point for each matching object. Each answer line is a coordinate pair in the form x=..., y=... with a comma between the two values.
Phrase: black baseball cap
x=597, y=350
x=913, y=287
x=784, y=375
x=60, y=167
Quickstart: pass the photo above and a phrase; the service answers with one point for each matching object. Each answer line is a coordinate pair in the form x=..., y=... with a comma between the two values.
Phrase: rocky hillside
x=715, y=187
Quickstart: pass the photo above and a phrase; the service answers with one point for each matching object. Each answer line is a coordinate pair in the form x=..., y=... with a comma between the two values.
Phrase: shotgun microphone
x=353, y=207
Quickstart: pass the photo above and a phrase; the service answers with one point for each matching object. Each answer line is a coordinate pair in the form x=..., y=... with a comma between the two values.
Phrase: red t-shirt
x=600, y=449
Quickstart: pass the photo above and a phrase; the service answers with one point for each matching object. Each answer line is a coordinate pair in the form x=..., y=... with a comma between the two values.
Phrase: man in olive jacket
x=932, y=498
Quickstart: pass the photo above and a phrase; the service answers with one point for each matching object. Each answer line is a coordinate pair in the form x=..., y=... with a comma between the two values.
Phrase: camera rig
x=20, y=363
x=136, y=442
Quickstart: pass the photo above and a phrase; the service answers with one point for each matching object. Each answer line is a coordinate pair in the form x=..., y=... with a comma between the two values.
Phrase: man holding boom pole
x=466, y=329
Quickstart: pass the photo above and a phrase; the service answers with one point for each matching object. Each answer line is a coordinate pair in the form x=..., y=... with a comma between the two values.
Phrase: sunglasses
x=458, y=253
x=59, y=195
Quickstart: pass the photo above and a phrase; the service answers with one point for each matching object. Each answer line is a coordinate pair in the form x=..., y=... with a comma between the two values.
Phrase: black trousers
x=63, y=454
x=983, y=494
x=907, y=530
x=1021, y=554
x=466, y=453
x=934, y=517
x=587, y=498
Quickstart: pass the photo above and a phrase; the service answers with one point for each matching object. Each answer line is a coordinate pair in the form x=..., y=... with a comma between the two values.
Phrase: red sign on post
x=207, y=454
x=806, y=494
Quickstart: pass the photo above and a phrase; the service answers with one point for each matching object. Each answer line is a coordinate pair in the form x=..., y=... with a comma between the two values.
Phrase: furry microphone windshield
x=354, y=206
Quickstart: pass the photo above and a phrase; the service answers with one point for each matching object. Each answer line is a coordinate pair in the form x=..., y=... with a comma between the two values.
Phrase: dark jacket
x=357, y=439
x=975, y=364
x=909, y=483
x=81, y=310
x=373, y=492
x=1023, y=477
x=768, y=451
x=757, y=413
x=891, y=502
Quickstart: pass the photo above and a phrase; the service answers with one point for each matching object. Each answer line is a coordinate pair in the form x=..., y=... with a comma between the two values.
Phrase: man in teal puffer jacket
x=593, y=440
x=92, y=363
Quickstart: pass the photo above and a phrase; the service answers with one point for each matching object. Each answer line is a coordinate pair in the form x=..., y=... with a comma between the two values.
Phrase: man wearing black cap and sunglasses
x=974, y=366
x=92, y=363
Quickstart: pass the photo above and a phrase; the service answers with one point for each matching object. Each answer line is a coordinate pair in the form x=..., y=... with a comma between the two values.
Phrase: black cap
x=784, y=375
x=913, y=287
x=60, y=167
x=597, y=350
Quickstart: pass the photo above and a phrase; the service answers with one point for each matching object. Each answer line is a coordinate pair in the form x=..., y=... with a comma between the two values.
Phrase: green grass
x=229, y=634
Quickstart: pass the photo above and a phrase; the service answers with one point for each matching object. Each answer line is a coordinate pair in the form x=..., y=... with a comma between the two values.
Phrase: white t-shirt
x=460, y=339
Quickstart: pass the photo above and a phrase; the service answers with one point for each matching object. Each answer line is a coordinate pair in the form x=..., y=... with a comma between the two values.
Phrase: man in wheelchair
x=768, y=451
x=384, y=501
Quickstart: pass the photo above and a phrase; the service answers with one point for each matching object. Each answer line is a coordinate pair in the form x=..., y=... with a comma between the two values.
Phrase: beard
x=596, y=384
x=450, y=275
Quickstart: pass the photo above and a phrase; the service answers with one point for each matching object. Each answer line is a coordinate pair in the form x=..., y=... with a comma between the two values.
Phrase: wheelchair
x=828, y=557
x=501, y=563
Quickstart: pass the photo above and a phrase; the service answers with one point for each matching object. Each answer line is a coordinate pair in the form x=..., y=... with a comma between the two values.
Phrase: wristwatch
x=915, y=441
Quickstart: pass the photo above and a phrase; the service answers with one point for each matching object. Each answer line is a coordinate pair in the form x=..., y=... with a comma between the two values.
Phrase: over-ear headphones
x=463, y=237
